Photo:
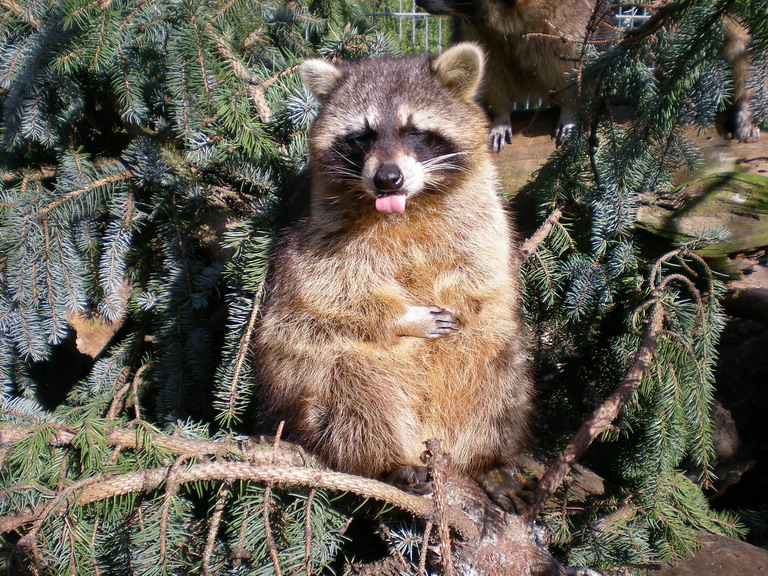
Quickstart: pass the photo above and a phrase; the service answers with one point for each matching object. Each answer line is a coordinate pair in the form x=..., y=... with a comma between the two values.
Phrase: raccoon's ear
x=319, y=76
x=460, y=68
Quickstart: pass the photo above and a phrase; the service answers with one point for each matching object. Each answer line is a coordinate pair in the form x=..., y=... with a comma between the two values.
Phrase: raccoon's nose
x=388, y=178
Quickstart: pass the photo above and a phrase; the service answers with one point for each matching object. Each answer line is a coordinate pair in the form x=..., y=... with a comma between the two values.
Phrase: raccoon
x=741, y=124
x=392, y=314
x=521, y=64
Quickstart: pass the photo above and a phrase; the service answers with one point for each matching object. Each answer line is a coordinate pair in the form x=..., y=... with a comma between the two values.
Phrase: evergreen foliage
x=145, y=147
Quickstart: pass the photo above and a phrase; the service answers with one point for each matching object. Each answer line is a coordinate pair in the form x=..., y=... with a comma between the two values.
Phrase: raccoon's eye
x=416, y=138
x=421, y=140
x=362, y=139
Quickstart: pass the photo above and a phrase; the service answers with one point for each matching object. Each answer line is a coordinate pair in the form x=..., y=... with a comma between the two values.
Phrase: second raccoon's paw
x=427, y=322
x=501, y=134
x=563, y=132
x=414, y=479
x=742, y=126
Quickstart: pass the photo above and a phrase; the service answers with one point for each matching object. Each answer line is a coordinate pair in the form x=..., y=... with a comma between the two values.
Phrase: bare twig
x=532, y=243
x=213, y=528
x=266, y=510
x=603, y=417
x=107, y=486
x=308, y=532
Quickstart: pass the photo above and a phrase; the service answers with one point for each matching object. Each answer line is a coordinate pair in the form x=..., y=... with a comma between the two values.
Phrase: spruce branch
x=253, y=86
x=275, y=464
x=105, y=486
x=213, y=527
x=602, y=418
x=308, y=531
x=266, y=511
x=142, y=436
x=531, y=244
x=107, y=180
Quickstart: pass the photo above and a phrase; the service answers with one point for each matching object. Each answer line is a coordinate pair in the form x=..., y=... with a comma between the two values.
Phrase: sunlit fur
x=533, y=47
x=332, y=358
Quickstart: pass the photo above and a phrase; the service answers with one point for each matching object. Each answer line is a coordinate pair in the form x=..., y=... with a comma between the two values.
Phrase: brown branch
x=425, y=548
x=90, y=186
x=308, y=532
x=266, y=510
x=603, y=417
x=437, y=462
x=245, y=340
x=254, y=87
x=141, y=436
x=532, y=243
x=107, y=486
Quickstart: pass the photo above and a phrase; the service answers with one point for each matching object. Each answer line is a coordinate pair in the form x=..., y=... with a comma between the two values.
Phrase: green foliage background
x=145, y=145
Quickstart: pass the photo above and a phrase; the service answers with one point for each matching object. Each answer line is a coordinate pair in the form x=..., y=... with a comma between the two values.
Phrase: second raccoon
x=527, y=58
x=392, y=316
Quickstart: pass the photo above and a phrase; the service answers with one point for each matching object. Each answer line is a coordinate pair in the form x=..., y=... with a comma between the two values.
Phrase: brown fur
x=522, y=64
x=356, y=378
x=736, y=52
x=532, y=48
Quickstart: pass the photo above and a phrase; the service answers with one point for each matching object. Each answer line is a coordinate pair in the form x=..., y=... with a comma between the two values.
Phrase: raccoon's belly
x=530, y=67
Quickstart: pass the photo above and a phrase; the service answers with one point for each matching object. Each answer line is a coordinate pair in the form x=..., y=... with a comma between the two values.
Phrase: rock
x=719, y=556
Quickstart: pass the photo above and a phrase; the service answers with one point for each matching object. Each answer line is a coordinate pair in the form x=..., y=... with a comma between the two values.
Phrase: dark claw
x=414, y=479
x=564, y=131
x=445, y=323
x=507, y=489
x=499, y=136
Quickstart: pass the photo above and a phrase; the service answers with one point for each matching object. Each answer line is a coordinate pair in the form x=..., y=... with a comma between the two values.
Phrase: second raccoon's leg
x=566, y=100
x=501, y=131
x=736, y=51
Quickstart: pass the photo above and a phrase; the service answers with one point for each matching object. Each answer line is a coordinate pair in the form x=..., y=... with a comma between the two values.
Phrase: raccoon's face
x=393, y=129
x=393, y=158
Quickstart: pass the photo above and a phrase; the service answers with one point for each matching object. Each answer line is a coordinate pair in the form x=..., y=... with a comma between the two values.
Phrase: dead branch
x=107, y=486
x=253, y=86
x=141, y=436
x=603, y=417
x=532, y=243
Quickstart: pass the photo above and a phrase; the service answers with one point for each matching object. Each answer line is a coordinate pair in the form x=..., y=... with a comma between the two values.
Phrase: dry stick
x=109, y=486
x=308, y=532
x=602, y=418
x=425, y=548
x=213, y=528
x=132, y=439
x=530, y=245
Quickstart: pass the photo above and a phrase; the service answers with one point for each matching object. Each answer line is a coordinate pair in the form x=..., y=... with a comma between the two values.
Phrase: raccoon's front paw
x=742, y=126
x=427, y=322
x=501, y=133
x=507, y=488
x=414, y=479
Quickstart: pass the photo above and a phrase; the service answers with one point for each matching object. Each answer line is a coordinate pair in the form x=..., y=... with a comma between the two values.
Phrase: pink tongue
x=391, y=203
